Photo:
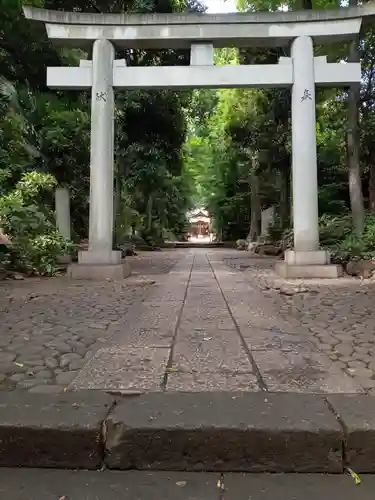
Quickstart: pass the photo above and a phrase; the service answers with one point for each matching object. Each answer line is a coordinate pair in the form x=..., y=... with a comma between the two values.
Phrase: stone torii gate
x=201, y=33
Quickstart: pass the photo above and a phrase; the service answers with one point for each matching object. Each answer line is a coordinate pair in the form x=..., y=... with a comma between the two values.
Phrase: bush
x=241, y=245
x=275, y=231
x=354, y=247
x=336, y=234
x=333, y=230
x=287, y=240
x=369, y=233
x=36, y=244
x=39, y=254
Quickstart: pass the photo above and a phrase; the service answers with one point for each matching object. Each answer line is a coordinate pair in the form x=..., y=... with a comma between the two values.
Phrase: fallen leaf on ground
x=173, y=369
x=181, y=483
x=19, y=364
x=220, y=484
x=355, y=476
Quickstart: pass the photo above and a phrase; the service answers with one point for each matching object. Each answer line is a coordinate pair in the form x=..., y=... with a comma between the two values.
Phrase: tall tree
x=353, y=143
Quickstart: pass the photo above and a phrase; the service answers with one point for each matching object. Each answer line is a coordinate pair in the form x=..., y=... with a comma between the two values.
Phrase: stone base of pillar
x=99, y=265
x=99, y=272
x=65, y=259
x=316, y=258
x=308, y=265
x=308, y=271
x=90, y=257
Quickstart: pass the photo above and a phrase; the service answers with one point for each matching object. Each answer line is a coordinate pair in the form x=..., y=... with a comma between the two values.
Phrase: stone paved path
x=191, y=320
x=208, y=326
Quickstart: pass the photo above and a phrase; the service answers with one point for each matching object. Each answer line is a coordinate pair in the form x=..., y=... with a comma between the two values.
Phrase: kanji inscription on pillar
x=101, y=96
x=306, y=95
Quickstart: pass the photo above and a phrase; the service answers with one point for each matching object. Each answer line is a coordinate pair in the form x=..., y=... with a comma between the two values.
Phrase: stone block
x=120, y=369
x=317, y=258
x=329, y=271
x=224, y=431
x=357, y=414
x=52, y=430
x=99, y=271
x=91, y=257
x=218, y=381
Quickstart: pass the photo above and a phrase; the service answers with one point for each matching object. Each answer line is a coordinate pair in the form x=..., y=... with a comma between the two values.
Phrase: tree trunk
x=116, y=204
x=149, y=213
x=256, y=211
x=354, y=169
x=284, y=211
x=372, y=189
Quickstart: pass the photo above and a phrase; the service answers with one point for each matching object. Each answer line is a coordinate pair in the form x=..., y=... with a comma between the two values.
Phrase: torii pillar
x=100, y=261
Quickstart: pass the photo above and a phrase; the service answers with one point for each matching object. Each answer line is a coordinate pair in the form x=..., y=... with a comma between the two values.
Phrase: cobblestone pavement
x=50, y=328
x=337, y=316
x=189, y=320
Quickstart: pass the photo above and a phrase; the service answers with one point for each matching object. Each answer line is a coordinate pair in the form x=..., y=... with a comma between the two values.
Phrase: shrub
x=354, y=247
x=241, y=244
x=40, y=254
x=36, y=244
x=275, y=231
x=369, y=233
x=333, y=230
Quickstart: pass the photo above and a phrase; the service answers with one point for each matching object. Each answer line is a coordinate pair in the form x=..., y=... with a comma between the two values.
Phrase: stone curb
x=226, y=431
x=53, y=430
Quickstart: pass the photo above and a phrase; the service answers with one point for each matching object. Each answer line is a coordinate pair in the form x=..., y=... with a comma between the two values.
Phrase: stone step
x=218, y=432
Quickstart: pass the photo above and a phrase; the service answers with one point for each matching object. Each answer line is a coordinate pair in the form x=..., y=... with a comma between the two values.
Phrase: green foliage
x=275, y=231
x=354, y=247
x=36, y=244
x=334, y=229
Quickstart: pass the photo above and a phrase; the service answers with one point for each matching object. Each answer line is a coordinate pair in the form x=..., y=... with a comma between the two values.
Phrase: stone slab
x=302, y=371
x=38, y=484
x=99, y=271
x=357, y=413
x=216, y=381
x=330, y=271
x=224, y=431
x=140, y=337
x=124, y=369
x=46, y=430
x=259, y=339
x=157, y=318
x=211, y=354
x=296, y=487
x=170, y=298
